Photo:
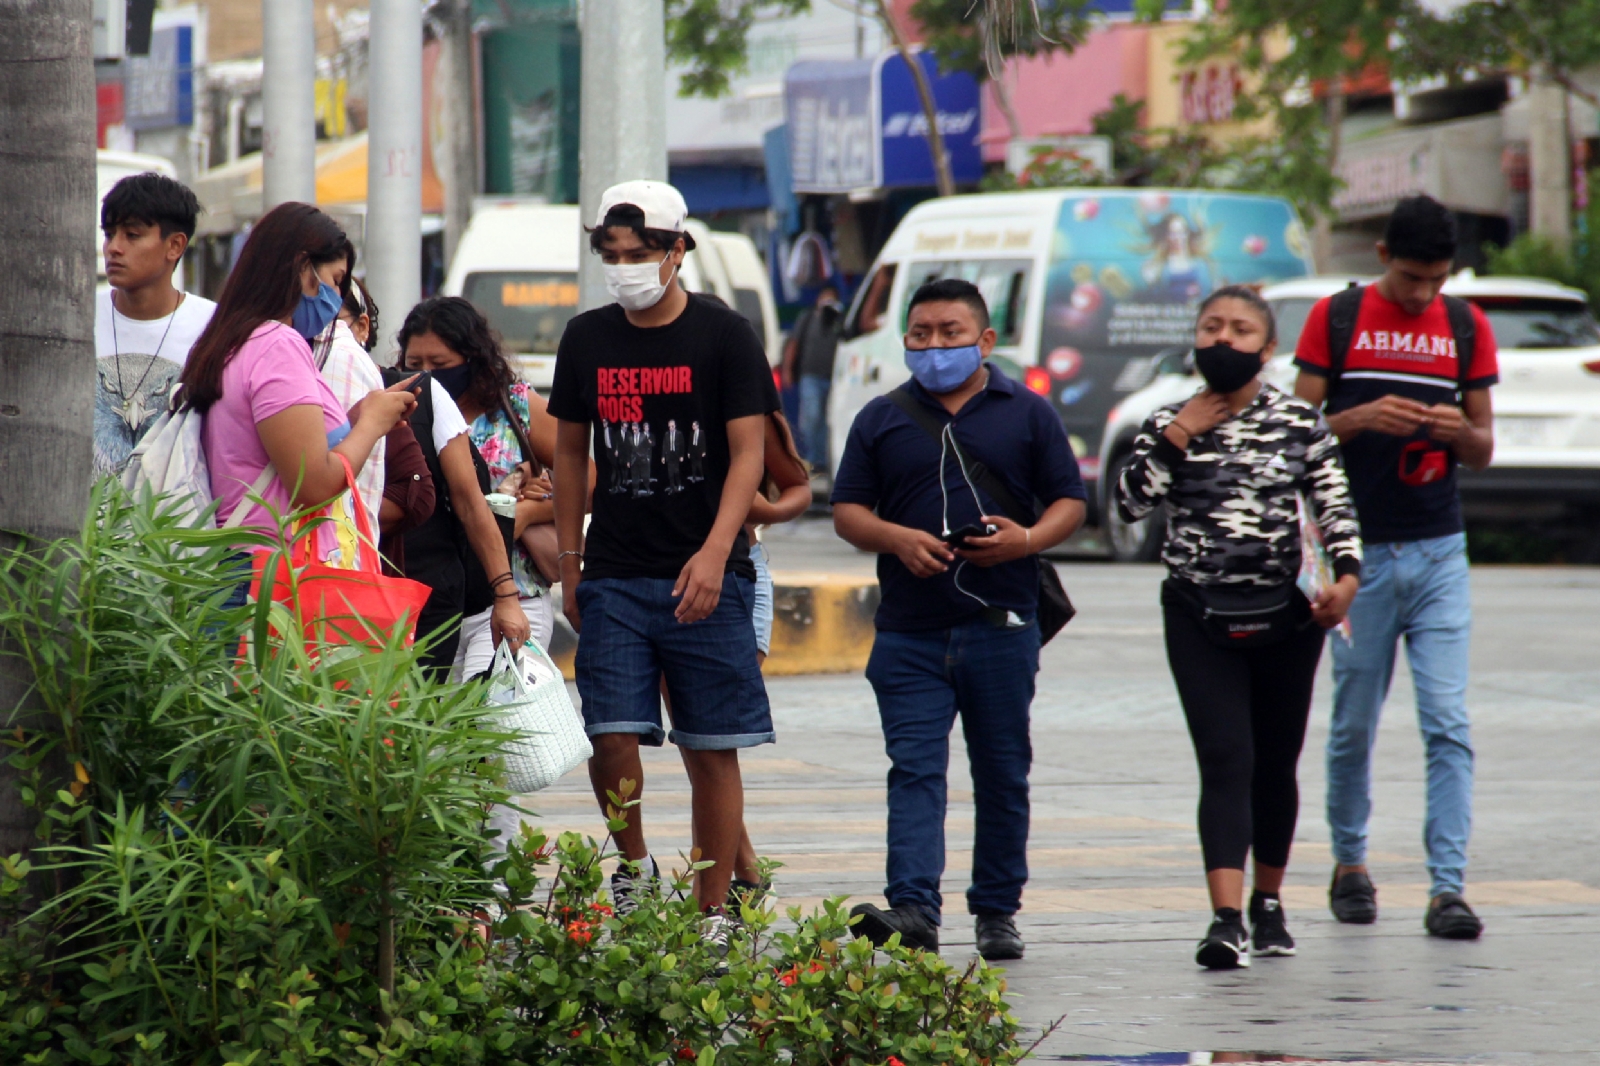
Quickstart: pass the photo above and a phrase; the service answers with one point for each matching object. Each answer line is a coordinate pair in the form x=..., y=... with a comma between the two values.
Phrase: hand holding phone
x=958, y=538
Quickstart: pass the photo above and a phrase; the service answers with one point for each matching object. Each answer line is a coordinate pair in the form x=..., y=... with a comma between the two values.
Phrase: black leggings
x=1247, y=711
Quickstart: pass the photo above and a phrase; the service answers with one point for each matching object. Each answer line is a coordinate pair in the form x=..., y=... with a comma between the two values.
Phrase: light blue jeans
x=814, y=420
x=1417, y=591
x=762, y=615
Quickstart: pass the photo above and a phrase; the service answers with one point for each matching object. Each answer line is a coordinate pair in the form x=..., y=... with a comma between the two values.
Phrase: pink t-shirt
x=271, y=372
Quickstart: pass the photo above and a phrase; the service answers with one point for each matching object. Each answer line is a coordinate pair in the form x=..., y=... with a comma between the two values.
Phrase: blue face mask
x=454, y=379
x=313, y=313
x=943, y=369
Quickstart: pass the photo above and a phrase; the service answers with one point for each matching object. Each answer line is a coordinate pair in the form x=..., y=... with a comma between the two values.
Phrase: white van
x=1085, y=288
x=518, y=262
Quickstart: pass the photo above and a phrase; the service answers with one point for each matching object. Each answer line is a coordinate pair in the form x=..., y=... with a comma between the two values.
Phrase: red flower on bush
x=687, y=1053
x=789, y=976
x=580, y=932
x=816, y=966
x=600, y=908
x=892, y=1061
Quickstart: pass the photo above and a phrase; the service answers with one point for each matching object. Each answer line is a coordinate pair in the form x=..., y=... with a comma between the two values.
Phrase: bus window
x=1003, y=283
x=872, y=303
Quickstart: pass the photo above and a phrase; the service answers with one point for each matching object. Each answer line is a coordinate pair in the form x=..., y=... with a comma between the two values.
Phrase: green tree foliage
x=712, y=38
x=977, y=36
x=1532, y=256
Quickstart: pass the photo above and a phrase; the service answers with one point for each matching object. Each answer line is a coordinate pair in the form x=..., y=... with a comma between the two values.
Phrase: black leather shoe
x=1450, y=917
x=1353, y=898
x=916, y=929
x=998, y=939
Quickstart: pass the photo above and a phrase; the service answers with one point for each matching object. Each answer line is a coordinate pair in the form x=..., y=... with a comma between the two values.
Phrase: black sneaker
x=755, y=893
x=1269, y=932
x=1450, y=917
x=1227, y=945
x=631, y=882
x=1353, y=898
x=998, y=939
x=916, y=929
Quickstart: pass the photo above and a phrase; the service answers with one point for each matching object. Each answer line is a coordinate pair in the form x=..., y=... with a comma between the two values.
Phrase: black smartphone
x=958, y=538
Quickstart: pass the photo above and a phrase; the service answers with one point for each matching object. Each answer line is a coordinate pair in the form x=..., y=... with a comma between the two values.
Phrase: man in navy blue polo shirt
x=956, y=629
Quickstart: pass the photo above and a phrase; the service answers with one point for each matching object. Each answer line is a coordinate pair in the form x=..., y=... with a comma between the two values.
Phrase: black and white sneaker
x=631, y=882
x=1269, y=932
x=1227, y=945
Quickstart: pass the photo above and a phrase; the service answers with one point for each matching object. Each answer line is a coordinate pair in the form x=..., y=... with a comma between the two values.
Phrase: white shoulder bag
x=530, y=698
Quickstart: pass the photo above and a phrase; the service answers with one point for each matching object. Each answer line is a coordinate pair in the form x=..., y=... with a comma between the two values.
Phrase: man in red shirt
x=1404, y=373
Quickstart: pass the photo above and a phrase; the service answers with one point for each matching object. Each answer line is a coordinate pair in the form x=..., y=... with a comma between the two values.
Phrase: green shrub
x=280, y=859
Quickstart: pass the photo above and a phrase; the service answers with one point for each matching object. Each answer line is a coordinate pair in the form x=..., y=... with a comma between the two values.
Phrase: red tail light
x=1592, y=366
x=1037, y=378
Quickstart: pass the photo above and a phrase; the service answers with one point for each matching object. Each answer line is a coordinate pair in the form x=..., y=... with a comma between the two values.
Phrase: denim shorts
x=630, y=640
x=763, y=603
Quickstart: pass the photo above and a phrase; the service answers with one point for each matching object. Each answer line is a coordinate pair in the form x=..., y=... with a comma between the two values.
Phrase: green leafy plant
x=274, y=855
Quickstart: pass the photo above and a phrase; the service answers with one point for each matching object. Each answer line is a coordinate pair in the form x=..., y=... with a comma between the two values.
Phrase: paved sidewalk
x=1116, y=899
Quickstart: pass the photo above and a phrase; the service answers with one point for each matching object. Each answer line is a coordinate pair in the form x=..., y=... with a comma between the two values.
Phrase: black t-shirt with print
x=659, y=401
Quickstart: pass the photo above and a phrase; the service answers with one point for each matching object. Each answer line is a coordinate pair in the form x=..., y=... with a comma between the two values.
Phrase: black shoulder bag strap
x=1343, y=310
x=1464, y=328
x=1055, y=608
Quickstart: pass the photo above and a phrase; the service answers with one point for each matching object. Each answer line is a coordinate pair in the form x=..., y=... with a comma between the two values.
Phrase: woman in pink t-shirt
x=251, y=373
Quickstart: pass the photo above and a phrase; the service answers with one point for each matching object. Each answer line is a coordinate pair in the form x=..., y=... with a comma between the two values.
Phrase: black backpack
x=1345, y=307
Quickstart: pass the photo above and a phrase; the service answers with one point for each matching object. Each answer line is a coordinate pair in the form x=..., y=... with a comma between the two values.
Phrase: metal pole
x=394, y=165
x=288, y=103
x=623, y=132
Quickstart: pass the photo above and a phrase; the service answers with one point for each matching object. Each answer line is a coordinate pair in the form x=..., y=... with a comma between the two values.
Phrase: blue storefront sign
x=160, y=86
x=859, y=124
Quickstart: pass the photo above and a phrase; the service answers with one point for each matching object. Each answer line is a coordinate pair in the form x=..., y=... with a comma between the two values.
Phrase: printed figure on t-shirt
x=614, y=455
x=672, y=457
x=639, y=462
x=697, y=453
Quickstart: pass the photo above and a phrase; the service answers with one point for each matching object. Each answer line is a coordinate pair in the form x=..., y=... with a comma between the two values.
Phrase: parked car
x=518, y=263
x=1547, y=405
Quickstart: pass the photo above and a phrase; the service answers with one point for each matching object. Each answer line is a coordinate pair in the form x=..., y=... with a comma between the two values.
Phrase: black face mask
x=455, y=379
x=1225, y=368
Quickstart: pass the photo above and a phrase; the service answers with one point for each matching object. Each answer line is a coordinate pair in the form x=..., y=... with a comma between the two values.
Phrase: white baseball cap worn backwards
x=661, y=204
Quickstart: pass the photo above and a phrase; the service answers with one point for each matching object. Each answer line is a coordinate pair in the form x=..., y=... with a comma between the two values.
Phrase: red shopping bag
x=360, y=606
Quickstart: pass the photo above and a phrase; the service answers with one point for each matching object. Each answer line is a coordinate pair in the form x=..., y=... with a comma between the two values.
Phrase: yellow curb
x=822, y=624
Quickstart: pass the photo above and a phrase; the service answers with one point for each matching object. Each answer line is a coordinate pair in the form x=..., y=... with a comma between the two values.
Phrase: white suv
x=1547, y=405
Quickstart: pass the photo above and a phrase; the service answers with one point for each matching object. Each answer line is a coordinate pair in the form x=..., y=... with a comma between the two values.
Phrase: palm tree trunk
x=930, y=109
x=47, y=371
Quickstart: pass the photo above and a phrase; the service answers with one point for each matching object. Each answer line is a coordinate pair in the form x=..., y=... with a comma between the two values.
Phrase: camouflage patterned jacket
x=1232, y=512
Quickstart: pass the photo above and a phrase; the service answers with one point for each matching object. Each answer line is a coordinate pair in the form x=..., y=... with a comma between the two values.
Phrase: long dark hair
x=264, y=285
x=465, y=331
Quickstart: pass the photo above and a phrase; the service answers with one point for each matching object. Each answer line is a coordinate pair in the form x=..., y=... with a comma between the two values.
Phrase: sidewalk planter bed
x=279, y=859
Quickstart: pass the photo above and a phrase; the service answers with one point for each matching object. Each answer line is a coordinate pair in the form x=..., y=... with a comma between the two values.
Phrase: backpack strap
x=1343, y=310
x=1464, y=328
x=982, y=477
x=421, y=422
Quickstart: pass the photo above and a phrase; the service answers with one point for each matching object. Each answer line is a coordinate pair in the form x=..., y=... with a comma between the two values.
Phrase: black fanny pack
x=1248, y=617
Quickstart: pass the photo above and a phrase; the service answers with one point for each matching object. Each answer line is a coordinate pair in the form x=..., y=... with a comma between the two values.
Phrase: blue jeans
x=814, y=420
x=1417, y=591
x=923, y=680
x=631, y=640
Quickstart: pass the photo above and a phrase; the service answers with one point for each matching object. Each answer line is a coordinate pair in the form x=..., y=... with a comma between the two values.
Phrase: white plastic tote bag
x=531, y=700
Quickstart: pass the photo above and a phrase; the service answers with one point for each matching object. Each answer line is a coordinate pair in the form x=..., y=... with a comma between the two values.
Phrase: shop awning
x=231, y=193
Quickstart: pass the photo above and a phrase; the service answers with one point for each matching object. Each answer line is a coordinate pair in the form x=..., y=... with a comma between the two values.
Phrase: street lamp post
x=623, y=107
x=394, y=164
x=288, y=103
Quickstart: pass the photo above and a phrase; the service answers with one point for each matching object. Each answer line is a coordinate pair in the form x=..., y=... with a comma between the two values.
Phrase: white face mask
x=636, y=286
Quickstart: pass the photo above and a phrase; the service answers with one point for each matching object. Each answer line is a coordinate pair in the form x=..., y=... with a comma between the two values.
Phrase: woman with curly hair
x=509, y=426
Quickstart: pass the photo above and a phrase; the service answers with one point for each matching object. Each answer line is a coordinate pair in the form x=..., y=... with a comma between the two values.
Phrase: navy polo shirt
x=892, y=465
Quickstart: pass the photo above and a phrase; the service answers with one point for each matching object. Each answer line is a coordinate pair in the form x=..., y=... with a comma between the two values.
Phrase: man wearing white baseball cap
x=664, y=585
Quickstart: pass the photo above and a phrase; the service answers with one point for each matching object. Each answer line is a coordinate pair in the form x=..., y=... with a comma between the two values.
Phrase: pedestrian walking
x=924, y=481
x=144, y=325
x=1240, y=466
x=274, y=432
x=662, y=584
x=460, y=551
x=1404, y=374
x=808, y=362
x=451, y=339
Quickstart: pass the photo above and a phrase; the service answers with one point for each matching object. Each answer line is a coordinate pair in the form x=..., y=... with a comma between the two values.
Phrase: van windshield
x=529, y=309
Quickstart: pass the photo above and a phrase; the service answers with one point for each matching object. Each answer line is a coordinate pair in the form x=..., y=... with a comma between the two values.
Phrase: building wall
x=1170, y=79
x=235, y=26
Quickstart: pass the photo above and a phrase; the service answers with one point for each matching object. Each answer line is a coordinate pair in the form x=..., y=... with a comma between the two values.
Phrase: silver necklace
x=133, y=410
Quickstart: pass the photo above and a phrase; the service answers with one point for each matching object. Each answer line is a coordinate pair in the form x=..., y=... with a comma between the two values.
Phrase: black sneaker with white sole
x=1227, y=945
x=631, y=882
x=1269, y=931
